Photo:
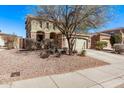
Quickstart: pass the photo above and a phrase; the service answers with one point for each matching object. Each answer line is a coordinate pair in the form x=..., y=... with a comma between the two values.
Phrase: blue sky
x=116, y=22
x=12, y=19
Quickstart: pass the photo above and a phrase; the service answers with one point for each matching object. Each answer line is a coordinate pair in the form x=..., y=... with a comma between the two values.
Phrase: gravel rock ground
x=30, y=65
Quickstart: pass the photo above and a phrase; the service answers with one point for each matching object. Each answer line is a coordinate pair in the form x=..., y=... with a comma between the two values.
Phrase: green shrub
x=74, y=51
x=31, y=44
x=83, y=53
x=101, y=44
x=10, y=45
x=116, y=38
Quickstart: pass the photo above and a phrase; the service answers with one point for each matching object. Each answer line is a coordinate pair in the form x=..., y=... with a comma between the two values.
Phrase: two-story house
x=38, y=30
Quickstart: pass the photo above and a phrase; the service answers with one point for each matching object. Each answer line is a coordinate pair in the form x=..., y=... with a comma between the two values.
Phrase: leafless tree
x=70, y=19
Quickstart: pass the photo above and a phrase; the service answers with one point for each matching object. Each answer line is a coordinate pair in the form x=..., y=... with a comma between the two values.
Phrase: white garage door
x=80, y=44
x=1, y=42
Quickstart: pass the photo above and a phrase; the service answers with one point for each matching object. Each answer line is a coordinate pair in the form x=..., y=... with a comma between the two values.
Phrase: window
x=47, y=25
x=54, y=27
x=41, y=24
x=26, y=34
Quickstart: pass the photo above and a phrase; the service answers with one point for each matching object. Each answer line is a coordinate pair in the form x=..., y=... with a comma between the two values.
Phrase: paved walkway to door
x=105, y=76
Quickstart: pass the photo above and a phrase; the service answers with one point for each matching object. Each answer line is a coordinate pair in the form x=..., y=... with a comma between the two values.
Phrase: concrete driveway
x=108, y=57
x=100, y=77
x=1, y=49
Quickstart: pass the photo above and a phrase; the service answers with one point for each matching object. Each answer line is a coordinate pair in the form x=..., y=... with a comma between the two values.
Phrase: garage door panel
x=80, y=44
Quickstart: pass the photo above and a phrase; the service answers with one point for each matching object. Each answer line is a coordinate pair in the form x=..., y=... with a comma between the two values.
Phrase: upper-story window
x=27, y=34
x=41, y=24
x=54, y=27
x=47, y=25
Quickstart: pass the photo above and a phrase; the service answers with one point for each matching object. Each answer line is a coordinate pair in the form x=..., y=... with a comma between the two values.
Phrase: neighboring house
x=105, y=36
x=38, y=30
x=4, y=38
x=116, y=31
x=100, y=37
x=2, y=43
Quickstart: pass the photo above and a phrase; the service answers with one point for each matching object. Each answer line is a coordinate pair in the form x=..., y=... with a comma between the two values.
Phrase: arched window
x=53, y=35
x=40, y=36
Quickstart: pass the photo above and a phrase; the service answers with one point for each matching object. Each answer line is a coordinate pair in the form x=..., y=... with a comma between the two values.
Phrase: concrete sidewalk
x=100, y=77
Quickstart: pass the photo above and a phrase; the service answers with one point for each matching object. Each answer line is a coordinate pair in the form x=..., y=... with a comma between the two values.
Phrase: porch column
x=33, y=35
x=47, y=35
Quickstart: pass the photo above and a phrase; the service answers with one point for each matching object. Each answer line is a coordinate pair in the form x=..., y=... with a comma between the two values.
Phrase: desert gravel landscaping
x=29, y=64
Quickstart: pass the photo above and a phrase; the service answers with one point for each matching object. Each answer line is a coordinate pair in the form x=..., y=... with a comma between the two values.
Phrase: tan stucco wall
x=123, y=38
x=122, y=33
x=35, y=26
x=107, y=39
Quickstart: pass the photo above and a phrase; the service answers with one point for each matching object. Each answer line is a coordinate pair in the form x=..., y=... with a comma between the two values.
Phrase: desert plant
x=83, y=53
x=58, y=54
x=119, y=48
x=101, y=44
x=44, y=54
x=10, y=45
x=50, y=47
x=31, y=44
x=116, y=38
x=74, y=51
x=48, y=44
x=9, y=41
x=64, y=50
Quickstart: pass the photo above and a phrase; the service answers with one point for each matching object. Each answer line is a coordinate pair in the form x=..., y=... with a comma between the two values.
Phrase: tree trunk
x=69, y=46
